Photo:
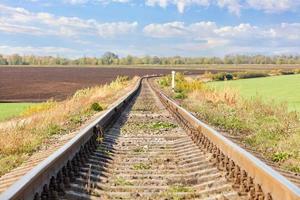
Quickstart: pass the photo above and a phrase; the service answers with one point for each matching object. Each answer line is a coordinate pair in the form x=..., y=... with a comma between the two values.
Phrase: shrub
x=122, y=79
x=245, y=75
x=181, y=84
x=54, y=129
x=207, y=75
x=297, y=71
x=287, y=72
x=76, y=119
x=280, y=156
x=165, y=81
x=283, y=72
x=222, y=76
x=96, y=107
x=187, y=86
x=179, y=95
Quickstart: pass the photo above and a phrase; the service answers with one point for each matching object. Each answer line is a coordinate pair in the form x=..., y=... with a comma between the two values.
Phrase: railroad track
x=147, y=147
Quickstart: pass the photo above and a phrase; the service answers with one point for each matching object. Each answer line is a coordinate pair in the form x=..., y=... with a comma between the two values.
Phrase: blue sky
x=75, y=28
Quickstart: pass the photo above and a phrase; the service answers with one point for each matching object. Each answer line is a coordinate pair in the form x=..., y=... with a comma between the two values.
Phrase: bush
x=96, y=107
x=188, y=86
x=222, y=76
x=283, y=72
x=53, y=129
x=287, y=72
x=245, y=75
x=179, y=95
x=122, y=79
x=165, y=81
x=181, y=84
x=280, y=156
x=297, y=71
x=76, y=119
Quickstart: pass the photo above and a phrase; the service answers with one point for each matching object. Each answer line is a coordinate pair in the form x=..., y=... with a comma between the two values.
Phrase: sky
x=76, y=28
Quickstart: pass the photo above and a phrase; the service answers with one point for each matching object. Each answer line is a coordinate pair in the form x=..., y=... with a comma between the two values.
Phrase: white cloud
x=211, y=29
x=274, y=5
x=242, y=30
x=11, y=28
x=41, y=51
x=78, y=2
x=201, y=35
x=175, y=29
x=19, y=20
x=232, y=5
x=171, y=29
x=289, y=31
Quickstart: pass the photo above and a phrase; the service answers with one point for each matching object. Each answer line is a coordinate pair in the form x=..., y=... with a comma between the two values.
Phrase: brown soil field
x=35, y=84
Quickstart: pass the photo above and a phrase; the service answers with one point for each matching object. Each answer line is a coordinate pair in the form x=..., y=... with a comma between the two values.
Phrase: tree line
x=110, y=58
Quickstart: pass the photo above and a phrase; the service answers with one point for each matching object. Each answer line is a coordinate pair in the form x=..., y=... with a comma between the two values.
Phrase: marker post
x=173, y=81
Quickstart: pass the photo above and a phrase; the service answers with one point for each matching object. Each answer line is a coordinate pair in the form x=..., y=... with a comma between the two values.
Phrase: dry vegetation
x=266, y=127
x=51, y=118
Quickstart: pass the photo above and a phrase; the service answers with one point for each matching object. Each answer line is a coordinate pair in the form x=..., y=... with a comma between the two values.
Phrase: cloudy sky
x=75, y=28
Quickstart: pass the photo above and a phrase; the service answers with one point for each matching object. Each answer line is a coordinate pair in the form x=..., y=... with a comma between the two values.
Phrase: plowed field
x=34, y=84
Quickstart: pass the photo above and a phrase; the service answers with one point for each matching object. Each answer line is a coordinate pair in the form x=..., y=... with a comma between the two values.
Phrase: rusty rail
x=248, y=173
x=55, y=172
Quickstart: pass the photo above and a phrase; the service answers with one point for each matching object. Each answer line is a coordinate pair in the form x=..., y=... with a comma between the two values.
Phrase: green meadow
x=277, y=88
x=9, y=110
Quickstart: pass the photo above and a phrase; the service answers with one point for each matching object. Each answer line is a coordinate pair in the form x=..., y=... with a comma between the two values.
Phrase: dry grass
x=51, y=118
x=267, y=127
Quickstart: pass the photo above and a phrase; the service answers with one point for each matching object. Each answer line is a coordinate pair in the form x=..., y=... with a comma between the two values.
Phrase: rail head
x=34, y=180
x=271, y=181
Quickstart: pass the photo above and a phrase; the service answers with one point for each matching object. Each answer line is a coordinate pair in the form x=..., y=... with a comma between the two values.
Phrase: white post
x=173, y=80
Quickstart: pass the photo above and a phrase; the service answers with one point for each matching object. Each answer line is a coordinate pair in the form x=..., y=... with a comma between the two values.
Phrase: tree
x=109, y=57
x=15, y=59
x=3, y=61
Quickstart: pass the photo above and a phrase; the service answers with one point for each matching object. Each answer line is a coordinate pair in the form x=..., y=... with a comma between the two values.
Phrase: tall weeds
x=263, y=125
x=42, y=121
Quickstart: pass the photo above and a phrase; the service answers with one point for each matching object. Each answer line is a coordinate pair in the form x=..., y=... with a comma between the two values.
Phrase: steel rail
x=32, y=183
x=273, y=184
x=270, y=181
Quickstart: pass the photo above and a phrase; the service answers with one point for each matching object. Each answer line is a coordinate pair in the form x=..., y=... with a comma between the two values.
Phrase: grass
x=121, y=181
x=139, y=150
x=278, y=88
x=54, y=118
x=179, y=188
x=263, y=124
x=141, y=166
x=162, y=125
x=10, y=110
x=173, y=190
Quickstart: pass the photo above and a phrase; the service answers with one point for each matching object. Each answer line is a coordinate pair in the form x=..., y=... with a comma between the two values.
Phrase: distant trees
x=110, y=58
x=3, y=60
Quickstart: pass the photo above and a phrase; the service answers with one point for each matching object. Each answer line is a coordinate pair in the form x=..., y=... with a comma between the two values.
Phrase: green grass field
x=278, y=88
x=9, y=110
